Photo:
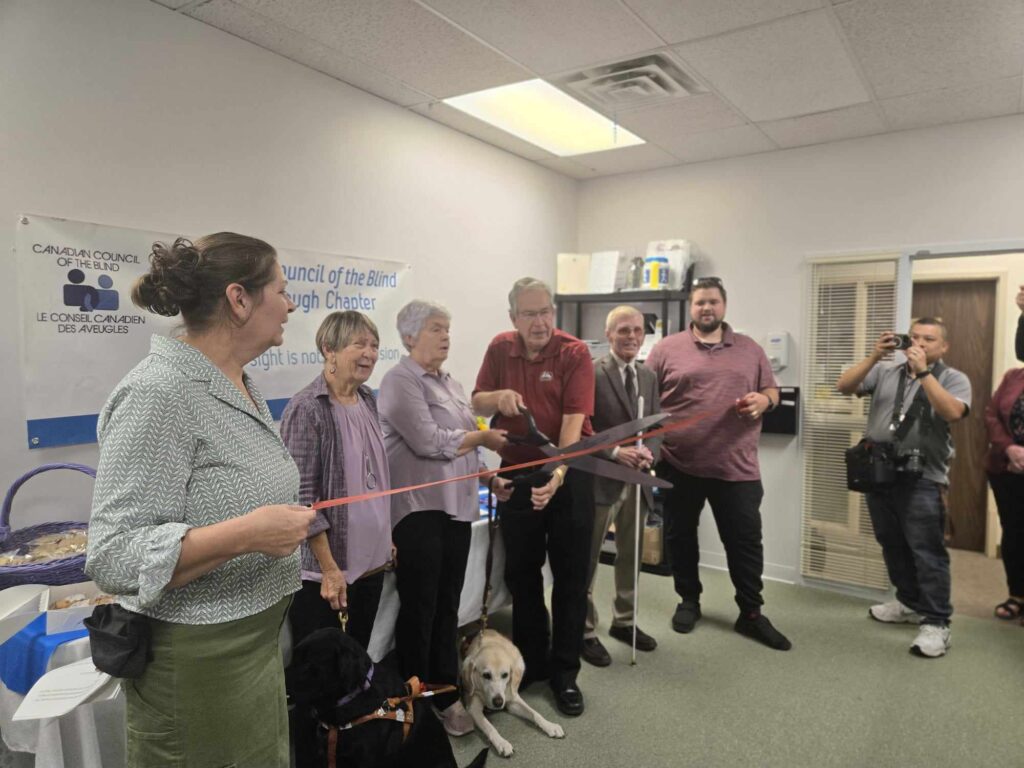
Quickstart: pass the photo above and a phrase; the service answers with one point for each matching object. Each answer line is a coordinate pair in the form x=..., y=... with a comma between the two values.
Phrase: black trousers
x=736, y=506
x=310, y=612
x=1008, y=489
x=432, y=553
x=562, y=531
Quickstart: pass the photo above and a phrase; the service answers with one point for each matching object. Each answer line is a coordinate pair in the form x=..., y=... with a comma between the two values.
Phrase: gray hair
x=339, y=328
x=527, y=284
x=413, y=315
x=621, y=311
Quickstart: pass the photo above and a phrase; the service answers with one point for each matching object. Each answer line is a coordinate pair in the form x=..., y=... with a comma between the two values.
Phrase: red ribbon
x=669, y=427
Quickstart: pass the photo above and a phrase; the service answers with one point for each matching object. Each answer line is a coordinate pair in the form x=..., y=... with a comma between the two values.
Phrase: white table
x=93, y=736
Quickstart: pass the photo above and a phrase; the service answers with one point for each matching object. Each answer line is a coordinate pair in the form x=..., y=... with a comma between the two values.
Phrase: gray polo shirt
x=930, y=432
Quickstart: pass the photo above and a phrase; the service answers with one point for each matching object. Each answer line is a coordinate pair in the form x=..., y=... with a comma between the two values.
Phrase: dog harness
x=396, y=708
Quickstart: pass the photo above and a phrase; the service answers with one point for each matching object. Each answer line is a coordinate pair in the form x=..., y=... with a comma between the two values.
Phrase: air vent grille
x=633, y=84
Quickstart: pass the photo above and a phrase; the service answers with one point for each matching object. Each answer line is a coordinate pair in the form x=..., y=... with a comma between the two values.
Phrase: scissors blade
x=620, y=432
x=603, y=468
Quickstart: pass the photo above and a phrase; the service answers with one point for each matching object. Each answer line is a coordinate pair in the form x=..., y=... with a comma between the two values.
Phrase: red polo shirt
x=560, y=380
x=695, y=378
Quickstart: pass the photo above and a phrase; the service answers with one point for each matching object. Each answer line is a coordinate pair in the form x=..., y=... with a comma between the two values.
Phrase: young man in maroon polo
x=549, y=372
x=711, y=370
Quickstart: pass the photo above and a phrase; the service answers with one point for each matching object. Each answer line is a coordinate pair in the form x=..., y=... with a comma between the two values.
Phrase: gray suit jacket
x=611, y=409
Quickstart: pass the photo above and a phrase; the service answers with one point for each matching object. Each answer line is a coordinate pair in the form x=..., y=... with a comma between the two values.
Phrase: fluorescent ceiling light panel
x=539, y=113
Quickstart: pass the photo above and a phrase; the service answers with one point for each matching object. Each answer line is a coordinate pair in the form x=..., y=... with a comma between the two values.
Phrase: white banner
x=81, y=333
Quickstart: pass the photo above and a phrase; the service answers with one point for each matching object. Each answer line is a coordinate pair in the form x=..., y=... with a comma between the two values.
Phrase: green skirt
x=213, y=696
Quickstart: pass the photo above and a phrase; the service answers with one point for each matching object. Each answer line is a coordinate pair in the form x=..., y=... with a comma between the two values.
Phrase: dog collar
x=365, y=686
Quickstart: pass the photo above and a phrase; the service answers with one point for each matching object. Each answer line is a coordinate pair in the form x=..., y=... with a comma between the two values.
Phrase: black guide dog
x=333, y=679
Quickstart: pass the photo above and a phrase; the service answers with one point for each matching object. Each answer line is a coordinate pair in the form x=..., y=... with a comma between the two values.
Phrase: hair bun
x=171, y=283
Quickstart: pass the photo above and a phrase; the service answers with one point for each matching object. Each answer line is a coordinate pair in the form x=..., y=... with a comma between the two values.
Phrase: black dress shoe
x=757, y=627
x=569, y=700
x=644, y=642
x=595, y=653
x=686, y=616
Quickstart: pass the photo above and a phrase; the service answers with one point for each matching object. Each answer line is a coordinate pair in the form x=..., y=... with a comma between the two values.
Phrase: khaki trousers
x=623, y=514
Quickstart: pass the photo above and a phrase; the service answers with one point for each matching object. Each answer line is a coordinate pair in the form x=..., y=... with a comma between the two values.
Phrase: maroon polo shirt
x=560, y=380
x=695, y=378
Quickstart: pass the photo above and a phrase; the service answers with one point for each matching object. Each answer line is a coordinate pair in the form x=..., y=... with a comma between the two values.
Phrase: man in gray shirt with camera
x=909, y=516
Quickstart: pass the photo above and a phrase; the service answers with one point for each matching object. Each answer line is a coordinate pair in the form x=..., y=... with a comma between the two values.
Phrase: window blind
x=851, y=303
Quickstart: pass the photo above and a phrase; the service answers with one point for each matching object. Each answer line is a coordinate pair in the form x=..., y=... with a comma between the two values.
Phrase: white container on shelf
x=656, y=272
x=680, y=256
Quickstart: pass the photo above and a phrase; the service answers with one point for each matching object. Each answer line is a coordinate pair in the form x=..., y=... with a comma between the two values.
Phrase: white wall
x=756, y=219
x=123, y=113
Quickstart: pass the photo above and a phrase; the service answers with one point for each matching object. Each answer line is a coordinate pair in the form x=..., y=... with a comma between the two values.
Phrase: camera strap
x=901, y=423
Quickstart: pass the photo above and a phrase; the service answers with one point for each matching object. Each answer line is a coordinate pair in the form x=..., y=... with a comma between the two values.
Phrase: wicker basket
x=65, y=570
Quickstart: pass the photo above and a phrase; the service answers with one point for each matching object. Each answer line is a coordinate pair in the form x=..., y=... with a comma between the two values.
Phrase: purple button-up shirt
x=425, y=418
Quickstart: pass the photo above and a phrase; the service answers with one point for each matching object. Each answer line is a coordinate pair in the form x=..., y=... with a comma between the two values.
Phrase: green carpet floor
x=848, y=694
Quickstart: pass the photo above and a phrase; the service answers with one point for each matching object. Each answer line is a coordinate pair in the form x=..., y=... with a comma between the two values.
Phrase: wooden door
x=968, y=309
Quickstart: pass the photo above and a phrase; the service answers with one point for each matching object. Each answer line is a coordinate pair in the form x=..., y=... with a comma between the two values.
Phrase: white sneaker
x=894, y=612
x=456, y=720
x=932, y=641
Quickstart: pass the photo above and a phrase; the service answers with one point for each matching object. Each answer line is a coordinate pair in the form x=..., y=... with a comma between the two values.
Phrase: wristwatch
x=772, y=404
x=922, y=374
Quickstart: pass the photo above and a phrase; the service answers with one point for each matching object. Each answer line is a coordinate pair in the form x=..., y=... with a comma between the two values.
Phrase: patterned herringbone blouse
x=181, y=447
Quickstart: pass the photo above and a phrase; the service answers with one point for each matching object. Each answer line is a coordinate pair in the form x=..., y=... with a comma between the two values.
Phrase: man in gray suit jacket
x=619, y=380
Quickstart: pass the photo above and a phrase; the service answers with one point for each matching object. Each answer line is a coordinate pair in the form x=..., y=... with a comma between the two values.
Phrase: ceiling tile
x=991, y=99
x=400, y=38
x=172, y=3
x=796, y=66
x=231, y=17
x=680, y=20
x=567, y=167
x=838, y=124
x=551, y=36
x=906, y=46
x=478, y=129
x=727, y=142
x=692, y=114
x=643, y=157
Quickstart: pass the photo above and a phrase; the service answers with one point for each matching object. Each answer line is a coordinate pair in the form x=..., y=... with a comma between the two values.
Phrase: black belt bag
x=119, y=640
x=870, y=466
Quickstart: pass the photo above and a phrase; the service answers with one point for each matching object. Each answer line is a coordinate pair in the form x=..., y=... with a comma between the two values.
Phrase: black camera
x=903, y=341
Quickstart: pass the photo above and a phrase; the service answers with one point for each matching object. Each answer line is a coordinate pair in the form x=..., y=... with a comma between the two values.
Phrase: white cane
x=636, y=537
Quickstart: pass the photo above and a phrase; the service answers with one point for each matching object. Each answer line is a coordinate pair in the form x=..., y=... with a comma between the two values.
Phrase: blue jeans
x=909, y=521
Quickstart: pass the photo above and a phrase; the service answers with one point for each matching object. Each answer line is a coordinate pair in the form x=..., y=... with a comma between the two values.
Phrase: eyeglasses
x=707, y=282
x=532, y=315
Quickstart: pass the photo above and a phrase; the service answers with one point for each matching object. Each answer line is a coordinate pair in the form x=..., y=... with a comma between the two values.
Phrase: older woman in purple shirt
x=431, y=434
x=332, y=432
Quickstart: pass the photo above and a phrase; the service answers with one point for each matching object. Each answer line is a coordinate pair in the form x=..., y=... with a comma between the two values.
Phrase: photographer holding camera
x=908, y=512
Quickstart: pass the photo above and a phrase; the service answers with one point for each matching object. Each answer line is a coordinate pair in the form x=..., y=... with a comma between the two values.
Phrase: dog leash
x=398, y=709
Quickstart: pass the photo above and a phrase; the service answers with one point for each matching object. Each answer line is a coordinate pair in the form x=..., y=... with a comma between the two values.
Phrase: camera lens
x=902, y=340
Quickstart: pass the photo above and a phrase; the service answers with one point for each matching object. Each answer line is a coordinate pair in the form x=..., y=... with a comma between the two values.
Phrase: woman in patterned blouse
x=194, y=521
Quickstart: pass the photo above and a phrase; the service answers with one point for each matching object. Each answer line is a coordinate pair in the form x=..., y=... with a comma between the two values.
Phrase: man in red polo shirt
x=710, y=369
x=551, y=373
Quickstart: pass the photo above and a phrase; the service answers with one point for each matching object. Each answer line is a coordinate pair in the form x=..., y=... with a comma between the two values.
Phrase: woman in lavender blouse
x=431, y=434
x=332, y=432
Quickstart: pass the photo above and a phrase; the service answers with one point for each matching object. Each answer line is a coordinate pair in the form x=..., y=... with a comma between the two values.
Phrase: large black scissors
x=590, y=463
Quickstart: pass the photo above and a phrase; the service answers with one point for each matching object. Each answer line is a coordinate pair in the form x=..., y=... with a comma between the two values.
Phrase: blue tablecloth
x=25, y=656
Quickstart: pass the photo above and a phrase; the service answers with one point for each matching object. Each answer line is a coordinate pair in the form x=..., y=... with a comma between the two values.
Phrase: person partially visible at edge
x=1004, y=420
x=430, y=434
x=909, y=517
x=551, y=373
x=195, y=522
x=711, y=370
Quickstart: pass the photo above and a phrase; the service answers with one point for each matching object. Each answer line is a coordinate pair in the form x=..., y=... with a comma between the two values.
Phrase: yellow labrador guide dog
x=491, y=673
